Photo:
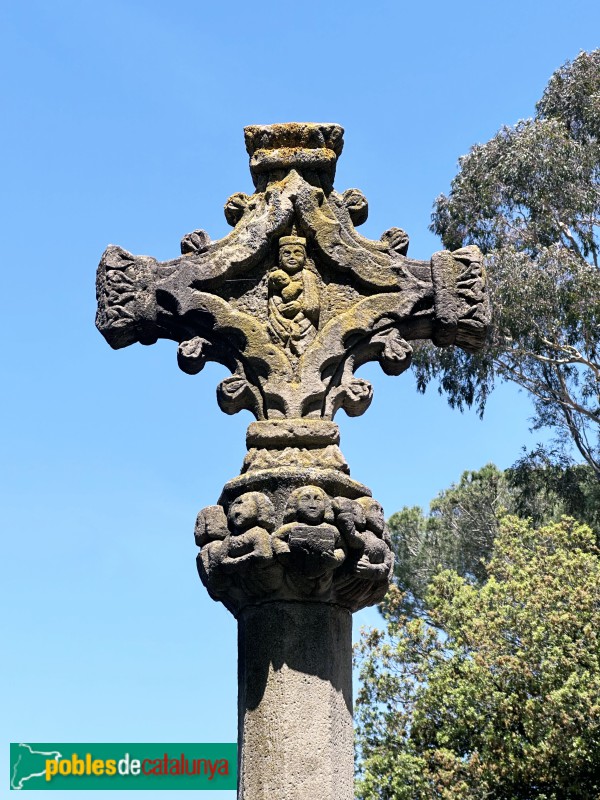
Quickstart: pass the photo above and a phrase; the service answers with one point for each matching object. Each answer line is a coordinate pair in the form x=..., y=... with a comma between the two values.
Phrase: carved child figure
x=308, y=545
x=377, y=558
x=247, y=551
x=293, y=306
x=362, y=523
x=210, y=533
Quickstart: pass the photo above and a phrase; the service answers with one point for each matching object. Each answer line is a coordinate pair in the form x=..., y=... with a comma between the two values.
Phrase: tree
x=544, y=487
x=503, y=706
x=530, y=198
x=459, y=531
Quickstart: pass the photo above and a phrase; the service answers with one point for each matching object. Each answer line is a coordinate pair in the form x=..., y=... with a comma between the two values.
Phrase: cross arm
x=446, y=302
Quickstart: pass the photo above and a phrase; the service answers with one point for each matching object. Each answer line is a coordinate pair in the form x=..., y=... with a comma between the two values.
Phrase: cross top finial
x=303, y=146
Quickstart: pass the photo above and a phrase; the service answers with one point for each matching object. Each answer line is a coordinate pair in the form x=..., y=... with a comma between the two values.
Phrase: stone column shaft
x=295, y=702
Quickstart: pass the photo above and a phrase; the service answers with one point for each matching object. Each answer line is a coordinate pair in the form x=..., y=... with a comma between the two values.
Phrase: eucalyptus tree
x=530, y=198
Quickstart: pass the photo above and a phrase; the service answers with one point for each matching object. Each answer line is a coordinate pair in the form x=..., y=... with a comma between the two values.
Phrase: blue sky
x=122, y=123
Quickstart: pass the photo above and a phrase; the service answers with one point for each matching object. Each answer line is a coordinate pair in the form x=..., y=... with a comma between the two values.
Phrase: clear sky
x=122, y=123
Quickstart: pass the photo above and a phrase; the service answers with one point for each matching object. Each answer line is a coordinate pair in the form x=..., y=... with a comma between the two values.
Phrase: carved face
x=375, y=516
x=311, y=505
x=279, y=279
x=292, y=257
x=242, y=513
x=215, y=522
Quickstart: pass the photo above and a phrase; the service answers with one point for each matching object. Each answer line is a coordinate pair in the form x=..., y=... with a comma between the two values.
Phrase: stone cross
x=292, y=302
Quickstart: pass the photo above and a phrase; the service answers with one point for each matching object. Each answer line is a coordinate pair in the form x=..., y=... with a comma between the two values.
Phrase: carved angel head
x=249, y=509
x=211, y=524
x=374, y=514
x=308, y=504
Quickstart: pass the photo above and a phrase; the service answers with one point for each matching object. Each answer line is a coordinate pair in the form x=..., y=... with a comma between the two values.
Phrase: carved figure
x=377, y=559
x=362, y=523
x=350, y=520
x=293, y=297
x=210, y=534
x=294, y=336
x=308, y=544
x=247, y=552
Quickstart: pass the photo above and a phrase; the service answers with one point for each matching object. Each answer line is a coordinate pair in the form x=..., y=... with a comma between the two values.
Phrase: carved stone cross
x=293, y=301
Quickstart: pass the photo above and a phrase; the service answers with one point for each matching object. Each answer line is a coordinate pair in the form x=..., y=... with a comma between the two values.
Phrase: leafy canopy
x=530, y=198
x=459, y=531
x=505, y=705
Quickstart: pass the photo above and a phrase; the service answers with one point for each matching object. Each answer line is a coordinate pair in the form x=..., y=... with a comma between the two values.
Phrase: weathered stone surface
x=295, y=702
x=294, y=532
x=298, y=432
x=294, y=299
x=304, y=443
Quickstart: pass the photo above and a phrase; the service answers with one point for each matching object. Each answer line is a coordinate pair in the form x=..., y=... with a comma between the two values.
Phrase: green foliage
x=543, y=488
x=530, y=198
x=458, y=533
x=505, y=705
x=462, y=524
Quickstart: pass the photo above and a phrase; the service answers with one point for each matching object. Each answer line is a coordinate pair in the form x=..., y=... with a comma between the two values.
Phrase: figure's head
x=343, y=506
x=308, y=504
x=278, y=279
x=211, y=524
x=251, y=508
x=373, y=514
x=292, y=253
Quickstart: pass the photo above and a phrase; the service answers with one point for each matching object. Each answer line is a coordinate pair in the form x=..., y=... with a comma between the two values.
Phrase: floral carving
x=191, y=355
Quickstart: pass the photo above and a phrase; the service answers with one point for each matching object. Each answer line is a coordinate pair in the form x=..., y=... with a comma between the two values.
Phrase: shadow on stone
x=312, y=639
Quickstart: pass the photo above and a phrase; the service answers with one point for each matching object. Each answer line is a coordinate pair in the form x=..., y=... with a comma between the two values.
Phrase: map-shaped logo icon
x=28, y=766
